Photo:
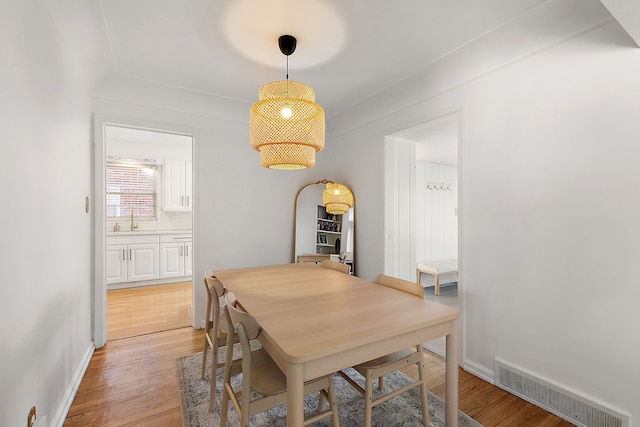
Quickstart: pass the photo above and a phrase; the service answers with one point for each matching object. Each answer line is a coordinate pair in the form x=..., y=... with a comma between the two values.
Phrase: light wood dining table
x=316, y=321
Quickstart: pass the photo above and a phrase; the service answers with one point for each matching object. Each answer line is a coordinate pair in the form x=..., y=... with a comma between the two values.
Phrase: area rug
x=402, y=411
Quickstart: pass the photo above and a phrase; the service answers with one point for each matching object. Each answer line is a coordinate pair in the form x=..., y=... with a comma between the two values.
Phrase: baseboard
x=437, y=346
x=70, y=394
x=479, y=371
x=167, y=281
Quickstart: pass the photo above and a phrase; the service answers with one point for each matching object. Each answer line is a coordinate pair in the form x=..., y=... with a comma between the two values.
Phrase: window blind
x=131, y=187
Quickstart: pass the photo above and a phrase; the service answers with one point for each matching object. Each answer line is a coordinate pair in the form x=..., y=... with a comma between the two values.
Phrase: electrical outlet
x=31, y=418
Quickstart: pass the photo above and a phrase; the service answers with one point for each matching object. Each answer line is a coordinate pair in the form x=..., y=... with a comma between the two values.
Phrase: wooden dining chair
x=335, y=265
x=261, y=375
x=381, y=366
x=215, y=333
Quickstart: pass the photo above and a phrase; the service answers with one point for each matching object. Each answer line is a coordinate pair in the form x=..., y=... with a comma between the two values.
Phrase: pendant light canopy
x=286, y=125
x=337, y=198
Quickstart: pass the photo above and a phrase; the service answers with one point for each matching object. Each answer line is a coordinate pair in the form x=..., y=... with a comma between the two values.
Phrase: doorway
x=421, y=206
x=143, y=226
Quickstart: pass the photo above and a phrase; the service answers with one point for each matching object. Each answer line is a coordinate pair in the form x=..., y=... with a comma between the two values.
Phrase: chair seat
x=384, y=360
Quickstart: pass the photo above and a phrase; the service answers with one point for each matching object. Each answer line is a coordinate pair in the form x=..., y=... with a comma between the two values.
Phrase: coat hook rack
x=438, y=186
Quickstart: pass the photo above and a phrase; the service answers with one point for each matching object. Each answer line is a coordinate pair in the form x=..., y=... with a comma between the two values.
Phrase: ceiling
x=348, y=50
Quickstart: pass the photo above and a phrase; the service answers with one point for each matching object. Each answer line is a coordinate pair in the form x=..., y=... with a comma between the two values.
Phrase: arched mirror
x=324, y=224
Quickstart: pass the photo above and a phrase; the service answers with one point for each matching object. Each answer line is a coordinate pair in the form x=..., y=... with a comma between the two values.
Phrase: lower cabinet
x=132, y=263
x=188, y=260
x=147, y=257
x=175, y=256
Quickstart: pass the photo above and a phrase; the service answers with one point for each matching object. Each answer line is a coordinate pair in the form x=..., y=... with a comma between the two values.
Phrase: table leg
x=295, y=395
x=451, y=377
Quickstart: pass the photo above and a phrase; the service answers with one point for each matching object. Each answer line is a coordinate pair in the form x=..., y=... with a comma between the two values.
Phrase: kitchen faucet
x=133, y=226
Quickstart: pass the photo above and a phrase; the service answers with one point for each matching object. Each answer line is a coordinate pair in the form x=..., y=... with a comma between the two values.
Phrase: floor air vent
x=563, y=403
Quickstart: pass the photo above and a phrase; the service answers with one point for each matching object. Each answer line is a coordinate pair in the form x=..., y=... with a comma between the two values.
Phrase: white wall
x=436, y=220
x=46, y=253
x=549, y=208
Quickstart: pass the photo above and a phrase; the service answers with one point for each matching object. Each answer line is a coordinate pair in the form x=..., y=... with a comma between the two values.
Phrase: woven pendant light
x=337, y=198
x=286, y=125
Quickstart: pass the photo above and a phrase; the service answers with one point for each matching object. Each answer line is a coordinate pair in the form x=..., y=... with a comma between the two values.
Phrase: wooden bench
x=437, y=268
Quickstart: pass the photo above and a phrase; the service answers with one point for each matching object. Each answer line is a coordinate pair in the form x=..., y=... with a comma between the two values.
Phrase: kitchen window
x=131, y=187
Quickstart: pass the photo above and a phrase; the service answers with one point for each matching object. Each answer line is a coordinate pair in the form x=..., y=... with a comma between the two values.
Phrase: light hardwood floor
x=133, y=382
x=148, y=309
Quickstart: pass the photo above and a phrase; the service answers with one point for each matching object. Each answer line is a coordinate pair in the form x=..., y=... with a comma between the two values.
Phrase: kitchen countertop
x=146, y=232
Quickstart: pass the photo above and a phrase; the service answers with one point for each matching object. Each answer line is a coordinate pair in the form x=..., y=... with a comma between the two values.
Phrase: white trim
x=153, y=282
x=437, y=346
x=479, y=371
x=461, y=191
x=70, y=394
x=99, y=233
x=390, y=203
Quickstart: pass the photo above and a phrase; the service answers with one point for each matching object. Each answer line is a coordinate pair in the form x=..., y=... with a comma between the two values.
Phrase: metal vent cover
x=553, y=398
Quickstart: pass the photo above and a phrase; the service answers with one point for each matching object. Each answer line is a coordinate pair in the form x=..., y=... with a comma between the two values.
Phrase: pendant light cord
x=287, y=67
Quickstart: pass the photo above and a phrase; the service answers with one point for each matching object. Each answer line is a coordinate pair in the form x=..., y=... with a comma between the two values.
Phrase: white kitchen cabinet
x=143, y=262
x=116, y=268
x=175, y=256
x=132, y=259
x=188, y=259
x=177, y=188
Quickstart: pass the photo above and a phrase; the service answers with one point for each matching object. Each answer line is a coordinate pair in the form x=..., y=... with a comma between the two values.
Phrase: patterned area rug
x=403, y=410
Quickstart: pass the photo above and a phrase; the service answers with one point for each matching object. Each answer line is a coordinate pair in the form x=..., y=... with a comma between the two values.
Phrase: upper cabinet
x=177, y=189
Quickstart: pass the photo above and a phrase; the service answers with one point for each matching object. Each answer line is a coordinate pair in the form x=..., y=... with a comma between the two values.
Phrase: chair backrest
x=212, y=283
x=215, y=291
x=334, y=265
x=401, y=285
x=237, y=316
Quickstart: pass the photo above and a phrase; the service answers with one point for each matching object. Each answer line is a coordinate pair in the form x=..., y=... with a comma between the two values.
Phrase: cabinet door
x=188, y=184
x=188, y=259
x=174, y=198
x=143, y=262
x=116, y=260
x=172, y=257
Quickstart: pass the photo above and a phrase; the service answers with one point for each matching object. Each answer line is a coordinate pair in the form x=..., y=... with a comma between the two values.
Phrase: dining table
x=316, y=321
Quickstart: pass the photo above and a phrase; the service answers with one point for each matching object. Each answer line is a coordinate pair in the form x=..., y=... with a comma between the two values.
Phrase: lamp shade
x=337, y=198
x=286, y=125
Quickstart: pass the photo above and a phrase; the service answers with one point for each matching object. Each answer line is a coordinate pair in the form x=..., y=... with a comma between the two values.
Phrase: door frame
x=394, y=201
x=99, y=296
